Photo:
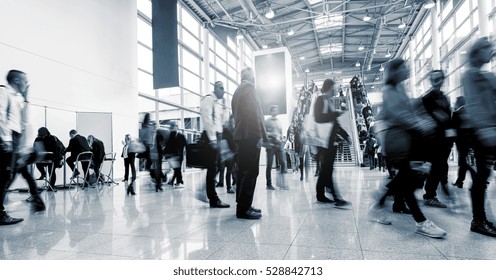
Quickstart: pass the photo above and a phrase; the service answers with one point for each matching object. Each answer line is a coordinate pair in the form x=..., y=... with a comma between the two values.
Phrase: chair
x=82, y=158
x=47, y=161
x=109, y=177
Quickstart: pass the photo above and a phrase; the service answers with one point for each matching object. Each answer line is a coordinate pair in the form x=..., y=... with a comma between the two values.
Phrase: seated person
x=98, y=150
x=49, y=143
x=77, y=145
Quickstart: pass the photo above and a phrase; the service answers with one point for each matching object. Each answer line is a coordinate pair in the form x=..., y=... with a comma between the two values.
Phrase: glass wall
x=183, y=103
x=458, y=28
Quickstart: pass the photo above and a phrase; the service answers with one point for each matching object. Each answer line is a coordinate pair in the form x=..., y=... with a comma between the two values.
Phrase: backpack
x=58, y=155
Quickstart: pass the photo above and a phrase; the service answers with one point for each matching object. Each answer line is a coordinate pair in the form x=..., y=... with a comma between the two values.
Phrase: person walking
x=402, y=125
x=479, y=88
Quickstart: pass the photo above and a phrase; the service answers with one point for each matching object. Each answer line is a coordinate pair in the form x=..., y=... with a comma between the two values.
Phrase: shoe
x=170, y=183
x=124, y=180
x=130, y=190
x=30, y=199
x=75, y=174
x=270, y=187
x=5, y=219
x=158, y=188
x=434, y=202
x=301, y=178
x=248, y=214
x=483, y=227
x=402, y=209
x=378, y=215
x=230, y=190
x=180, y=182
x=325, y=200
x=255, y=209
x=41, y=177
x=219, y=185
x=428, y=228
x=39, y=205
x=458, y=185
x=219, y=204
x=341, y=203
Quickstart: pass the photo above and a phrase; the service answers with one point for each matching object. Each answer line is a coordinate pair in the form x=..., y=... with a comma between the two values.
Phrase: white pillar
x=413, y=81
x=483, y=12
x=206, y=62
x=435, y=43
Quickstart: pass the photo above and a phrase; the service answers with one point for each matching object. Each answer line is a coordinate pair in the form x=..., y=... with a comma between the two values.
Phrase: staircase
x=347, y=155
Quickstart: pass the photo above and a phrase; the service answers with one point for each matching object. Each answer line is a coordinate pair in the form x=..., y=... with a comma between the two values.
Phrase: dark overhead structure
x=329, y=38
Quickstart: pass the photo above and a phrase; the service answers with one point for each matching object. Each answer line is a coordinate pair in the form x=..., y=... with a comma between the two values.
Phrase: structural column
x=435, y=42
x=206, y=61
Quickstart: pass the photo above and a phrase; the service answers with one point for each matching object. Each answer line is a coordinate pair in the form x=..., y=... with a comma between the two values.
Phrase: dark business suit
x=77, y=145
x=249, y=128
x=98, y=150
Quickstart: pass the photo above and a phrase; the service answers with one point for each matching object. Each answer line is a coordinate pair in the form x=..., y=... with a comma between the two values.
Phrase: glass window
x=191, y=81
x=446, y=9
x=193, y=100
x=448, y=29
x=463, y=30
x=145, y=58
x=144, y=32
x=189, y=40
x=145, y=6
x=190, y=61
x=146, y=105
x=220, y=50
x=221, y=65
x=167, y=113
x=190, y=23
x=462, y=13
x=172, y=94
x=145, y=83
x=231, y=59
x=231, y=44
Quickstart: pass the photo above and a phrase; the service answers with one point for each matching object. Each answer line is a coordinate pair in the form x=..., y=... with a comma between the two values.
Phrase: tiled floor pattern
x=102, y=224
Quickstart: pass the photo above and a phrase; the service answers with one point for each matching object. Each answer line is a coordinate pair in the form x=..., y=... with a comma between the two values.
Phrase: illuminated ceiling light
x=307, y=70
x=388, y=54
x=290, y=32
x=366, y=17
x=357, y=64
x=382, y=68
x=429, y=4
x=264, y=46
x=369, y=67
x=239, y=35
x=377, y=78
x=374, y=52
x=270, y=13
x=372, y=87
x=361, y=47
x=402, y=24
x=302, y=57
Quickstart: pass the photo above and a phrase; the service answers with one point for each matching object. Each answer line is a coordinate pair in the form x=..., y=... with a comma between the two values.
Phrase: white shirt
x=13, y=112
x=211, y=112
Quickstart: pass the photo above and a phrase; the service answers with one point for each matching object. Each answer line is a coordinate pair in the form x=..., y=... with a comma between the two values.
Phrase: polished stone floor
x=104, y=223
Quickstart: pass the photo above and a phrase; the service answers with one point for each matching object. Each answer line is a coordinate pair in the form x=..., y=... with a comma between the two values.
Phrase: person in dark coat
x=98, y=150
x=174, y=153
x=77, y=145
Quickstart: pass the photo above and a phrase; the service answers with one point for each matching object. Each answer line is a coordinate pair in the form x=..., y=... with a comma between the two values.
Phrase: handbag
x=316, y=134
x=397, y=144
x=136, y=146
x=195, y=155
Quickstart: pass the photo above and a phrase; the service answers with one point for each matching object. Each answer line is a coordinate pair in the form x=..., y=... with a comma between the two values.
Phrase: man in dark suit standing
x=98, y=150
x=249, y=134
x=77, y=145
